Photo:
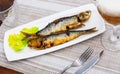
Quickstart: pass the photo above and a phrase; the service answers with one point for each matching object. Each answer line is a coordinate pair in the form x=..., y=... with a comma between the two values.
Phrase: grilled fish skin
x=56, y=39
x=65, y=23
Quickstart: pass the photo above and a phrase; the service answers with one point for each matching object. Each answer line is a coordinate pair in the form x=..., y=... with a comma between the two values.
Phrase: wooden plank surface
x=4, y=70
x=53, y=63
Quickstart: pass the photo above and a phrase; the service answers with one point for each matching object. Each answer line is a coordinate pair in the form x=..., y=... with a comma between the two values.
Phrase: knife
x=89, y=64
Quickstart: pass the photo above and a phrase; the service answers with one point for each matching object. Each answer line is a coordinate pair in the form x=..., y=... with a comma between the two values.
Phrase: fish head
x=84, y=16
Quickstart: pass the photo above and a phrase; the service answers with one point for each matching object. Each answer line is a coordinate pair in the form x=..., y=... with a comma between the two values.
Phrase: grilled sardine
x=65, y=23
x=56, y=39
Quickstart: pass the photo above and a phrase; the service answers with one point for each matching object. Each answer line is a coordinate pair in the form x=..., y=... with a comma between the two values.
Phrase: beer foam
x=109, y=7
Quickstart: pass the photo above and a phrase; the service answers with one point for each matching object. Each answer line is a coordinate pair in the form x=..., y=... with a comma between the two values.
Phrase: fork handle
x=67, y=67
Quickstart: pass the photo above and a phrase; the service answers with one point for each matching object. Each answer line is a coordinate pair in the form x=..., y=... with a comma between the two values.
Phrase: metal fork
x=80, y=60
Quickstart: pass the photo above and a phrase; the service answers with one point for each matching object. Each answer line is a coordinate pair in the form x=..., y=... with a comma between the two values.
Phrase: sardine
x=57, y=39
x=65, y=23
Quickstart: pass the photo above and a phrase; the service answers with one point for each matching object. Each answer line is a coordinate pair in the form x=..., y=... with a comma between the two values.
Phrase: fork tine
x=88, y=55
x=83, y=54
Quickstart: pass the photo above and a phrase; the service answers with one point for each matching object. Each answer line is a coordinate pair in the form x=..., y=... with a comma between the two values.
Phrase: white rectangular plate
x=94, y=21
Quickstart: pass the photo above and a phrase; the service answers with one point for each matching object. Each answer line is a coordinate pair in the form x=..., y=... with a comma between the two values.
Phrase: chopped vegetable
x=31, y=30
x=17, y=41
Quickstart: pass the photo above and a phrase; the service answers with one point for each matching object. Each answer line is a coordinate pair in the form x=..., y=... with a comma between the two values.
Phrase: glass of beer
x=110, y=11
x=7, y=7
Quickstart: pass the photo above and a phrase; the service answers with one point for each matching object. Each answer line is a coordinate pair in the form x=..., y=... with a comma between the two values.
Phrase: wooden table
x=53, y=63
x=4, y=70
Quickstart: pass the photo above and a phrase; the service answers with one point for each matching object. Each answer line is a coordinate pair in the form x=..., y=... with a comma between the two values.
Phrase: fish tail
x=89, y=31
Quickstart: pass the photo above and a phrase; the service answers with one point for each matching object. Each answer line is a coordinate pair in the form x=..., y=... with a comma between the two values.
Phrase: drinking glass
x=7, y=12
x=110, y=11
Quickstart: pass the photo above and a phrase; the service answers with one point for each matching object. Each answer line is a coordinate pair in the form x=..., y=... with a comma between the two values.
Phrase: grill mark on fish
x=68, y=33
x=56, y=21
x=78, y=19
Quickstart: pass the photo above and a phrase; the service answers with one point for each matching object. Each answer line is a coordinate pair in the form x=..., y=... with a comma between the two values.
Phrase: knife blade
x=89, y=64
